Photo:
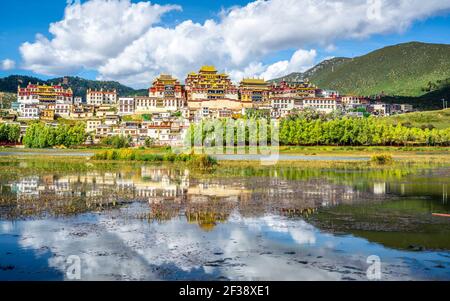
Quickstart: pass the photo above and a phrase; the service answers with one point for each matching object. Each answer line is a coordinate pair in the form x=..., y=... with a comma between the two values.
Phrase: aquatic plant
x=196, y=161
x=382, y=159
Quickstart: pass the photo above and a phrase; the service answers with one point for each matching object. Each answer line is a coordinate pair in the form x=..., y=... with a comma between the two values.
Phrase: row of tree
x=302, y=129
x=313, y=130
x=9, y=133
x=358, y=131
x=40, y=135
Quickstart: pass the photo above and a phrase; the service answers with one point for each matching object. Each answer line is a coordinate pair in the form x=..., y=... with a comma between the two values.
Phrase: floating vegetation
x=48, y=204
x=297, y=212
x=197, y=161
x=382, y=159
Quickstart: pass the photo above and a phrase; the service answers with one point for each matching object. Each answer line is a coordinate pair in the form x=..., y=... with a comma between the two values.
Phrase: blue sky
x=21, y=20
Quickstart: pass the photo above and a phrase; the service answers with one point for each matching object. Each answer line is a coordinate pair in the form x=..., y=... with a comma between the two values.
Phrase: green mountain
x=430, y=101
x=412, y=69
x=79, y=85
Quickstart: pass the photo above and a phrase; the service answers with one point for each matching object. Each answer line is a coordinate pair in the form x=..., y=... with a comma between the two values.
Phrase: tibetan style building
x=166, y=94
x=44, y=94
x=101, y=97
x=208, y=84
x=254, y=90
x=210, y=93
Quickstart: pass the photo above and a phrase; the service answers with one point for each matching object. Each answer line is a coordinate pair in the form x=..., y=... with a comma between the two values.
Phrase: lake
x=167, y=222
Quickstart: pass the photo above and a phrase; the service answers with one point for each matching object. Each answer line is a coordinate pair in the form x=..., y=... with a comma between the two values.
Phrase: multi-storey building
x=351, y=102
x=27, y=111
x=407, y=108
x=208, y=84
x=255, y=91
x=101, y=97
x=325, y=105
x=103, y=130
x=327, y=93
x=286, y=96
x=77, y=100
x=92, y=125
x=126, y=106
x=44, y=94
x=48, y=115
x=82, y=111
x=381, y=109
x=105, y=110
x=295, y=90
x=166, y=94
x=209, y=91
x=63, y=110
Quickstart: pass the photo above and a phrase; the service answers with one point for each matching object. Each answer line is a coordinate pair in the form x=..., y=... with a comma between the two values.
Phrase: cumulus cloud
x=300, y=62
x=7, y=64
x=123, y=41
x=90, y=34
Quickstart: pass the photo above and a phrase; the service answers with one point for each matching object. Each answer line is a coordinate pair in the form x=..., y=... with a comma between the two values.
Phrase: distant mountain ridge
x=79, y=85
x=407, y=70
x=323, y=67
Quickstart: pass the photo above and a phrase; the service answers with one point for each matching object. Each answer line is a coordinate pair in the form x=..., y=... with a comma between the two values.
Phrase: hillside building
x=208, y=84
x=44, y=94
x=254, y=91
x=166, y=94
x=209, y=93
x=324, y=105
x=126, y=106
x=101, y=97
x=27, y=111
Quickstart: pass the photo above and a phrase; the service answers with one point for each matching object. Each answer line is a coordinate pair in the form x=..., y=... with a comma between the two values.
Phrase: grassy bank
x=329, y=155
x=197, y=161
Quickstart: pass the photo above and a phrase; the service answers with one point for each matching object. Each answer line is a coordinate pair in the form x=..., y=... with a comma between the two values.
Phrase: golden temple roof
x=253, y=81
x=208, y=69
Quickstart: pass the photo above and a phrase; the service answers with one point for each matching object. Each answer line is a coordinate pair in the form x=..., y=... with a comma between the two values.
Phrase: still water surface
x=143, y=222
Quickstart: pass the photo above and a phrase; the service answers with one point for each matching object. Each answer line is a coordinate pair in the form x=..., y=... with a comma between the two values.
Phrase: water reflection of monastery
x=174, y=193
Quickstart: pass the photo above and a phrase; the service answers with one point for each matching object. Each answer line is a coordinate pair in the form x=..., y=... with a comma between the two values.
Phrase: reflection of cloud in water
x=130, y=249
x=6, y=227
x=302, y=233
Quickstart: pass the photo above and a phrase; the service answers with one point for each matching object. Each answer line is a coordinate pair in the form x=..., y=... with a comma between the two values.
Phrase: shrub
x=382, y=159
x=202, y=161
x=197, y=161
x=117, y=141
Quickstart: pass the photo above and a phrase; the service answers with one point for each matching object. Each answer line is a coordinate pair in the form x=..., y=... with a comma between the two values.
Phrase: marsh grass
x=383, y=159
x=196, y=161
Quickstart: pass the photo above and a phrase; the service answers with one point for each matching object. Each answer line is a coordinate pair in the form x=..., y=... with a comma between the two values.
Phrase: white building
x=382, y=109
x=407, y=108
x=325, y=105
x=28, y=111
x=328, y=93
x=92, y=125
x=101, y=97
x=103, y=130
x=126, y=106
x=77, y=100
x=156, y=105
x=63, y=109
x=351, y=102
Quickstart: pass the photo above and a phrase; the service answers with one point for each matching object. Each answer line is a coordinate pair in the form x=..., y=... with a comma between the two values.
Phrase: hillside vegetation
x=403, y=70
x=79, y=85
x=6, y=99
x=411, y=69
x=436, y=119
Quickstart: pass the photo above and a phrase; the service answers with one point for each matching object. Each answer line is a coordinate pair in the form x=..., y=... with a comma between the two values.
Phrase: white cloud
x=301, y=61
x=90, y=34
x=122, y=41
x=7, y=64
